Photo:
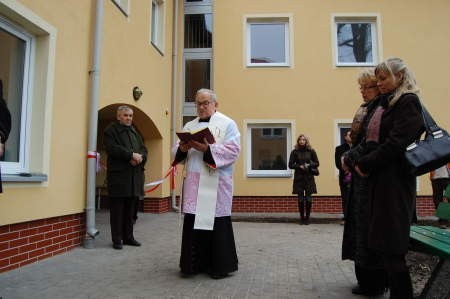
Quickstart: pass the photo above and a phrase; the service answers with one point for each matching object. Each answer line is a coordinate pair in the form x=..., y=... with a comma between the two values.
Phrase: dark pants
x=345, y=193
x=400, y=284
x=122, y=212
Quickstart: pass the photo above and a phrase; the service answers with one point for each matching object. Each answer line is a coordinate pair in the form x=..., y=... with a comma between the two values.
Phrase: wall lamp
x=137, y=93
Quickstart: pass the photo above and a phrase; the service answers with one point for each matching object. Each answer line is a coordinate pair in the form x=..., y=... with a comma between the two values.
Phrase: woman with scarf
x=391, y=187
x=305, y=162
x=368, y=267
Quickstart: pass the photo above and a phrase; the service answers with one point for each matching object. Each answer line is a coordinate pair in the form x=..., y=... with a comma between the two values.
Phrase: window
x=123, y=5
x=198, y=75
x=342, y=126
x=197, y=67
x=268, y=41
x=157, y=24
x=15, y=46
x=356, y=42
x=268, y=148
x=27, y=48
x=198, y=31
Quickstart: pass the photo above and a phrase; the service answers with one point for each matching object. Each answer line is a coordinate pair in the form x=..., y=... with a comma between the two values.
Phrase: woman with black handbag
x=304, y=161
x=396, y=123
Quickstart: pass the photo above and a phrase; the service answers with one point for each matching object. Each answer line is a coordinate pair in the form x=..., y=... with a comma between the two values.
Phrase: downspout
x=174, y=89
x=94, y=73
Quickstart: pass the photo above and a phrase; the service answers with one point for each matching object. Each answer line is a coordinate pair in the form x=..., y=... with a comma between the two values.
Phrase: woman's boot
x=308, y=211
x=400, y=285
x=301, y=209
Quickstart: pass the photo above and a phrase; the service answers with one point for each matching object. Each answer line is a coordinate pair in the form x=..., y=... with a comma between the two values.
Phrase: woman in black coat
x=368, y=266
x=5, y=126
x=396, y=123
x=305, y=162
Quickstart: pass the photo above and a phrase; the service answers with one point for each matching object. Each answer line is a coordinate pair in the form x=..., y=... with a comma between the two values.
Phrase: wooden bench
x=434, y=241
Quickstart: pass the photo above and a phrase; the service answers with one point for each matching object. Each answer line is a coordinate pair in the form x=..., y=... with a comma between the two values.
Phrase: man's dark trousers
x=122, y=212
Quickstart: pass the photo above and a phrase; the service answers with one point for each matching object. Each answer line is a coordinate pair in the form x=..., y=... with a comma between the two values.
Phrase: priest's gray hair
x=211, y=93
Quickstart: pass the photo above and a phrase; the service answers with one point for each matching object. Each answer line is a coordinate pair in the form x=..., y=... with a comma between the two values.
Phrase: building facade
x=279, y=68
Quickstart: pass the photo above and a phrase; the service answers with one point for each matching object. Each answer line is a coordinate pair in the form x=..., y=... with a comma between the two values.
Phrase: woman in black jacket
x=396, y=123
x=305, y=162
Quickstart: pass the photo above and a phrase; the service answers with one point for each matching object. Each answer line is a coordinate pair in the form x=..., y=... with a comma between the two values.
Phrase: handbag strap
x=430, y=125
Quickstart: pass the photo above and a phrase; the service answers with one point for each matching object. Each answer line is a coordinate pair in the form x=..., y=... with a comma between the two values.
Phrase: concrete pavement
x=276, y=260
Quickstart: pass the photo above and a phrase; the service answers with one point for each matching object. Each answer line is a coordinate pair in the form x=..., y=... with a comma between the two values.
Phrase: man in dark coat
x=5, y=126
x=127, y=155
x=344, y=186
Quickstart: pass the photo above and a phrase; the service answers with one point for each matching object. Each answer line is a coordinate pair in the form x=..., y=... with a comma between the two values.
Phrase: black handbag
x=314, y=171
x=432, y=152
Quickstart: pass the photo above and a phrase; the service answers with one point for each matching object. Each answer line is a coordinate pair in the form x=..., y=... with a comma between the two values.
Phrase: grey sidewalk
x=276, y=260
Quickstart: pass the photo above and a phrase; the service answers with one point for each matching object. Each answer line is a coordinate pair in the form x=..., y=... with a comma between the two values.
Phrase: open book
x=197, y=135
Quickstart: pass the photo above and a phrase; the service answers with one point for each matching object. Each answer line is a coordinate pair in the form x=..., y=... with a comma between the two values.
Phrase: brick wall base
x=156, y=205
x=321, y=204
x=28, y=242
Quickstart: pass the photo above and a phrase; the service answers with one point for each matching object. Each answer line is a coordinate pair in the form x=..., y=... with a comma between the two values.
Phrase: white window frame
x=198, y=3
x=157, y=28
x=289, y=125
x=24, y=139
x=374, y=20
x=123, y=6
x=204, y=7
x=284, y=19
x=39, y=93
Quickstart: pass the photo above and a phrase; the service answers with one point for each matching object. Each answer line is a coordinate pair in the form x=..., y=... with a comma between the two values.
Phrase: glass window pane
x=267, y=43
x=268, y=153
x=198, y=31
x=197, y=75
x=354, y=42
x=12, y=60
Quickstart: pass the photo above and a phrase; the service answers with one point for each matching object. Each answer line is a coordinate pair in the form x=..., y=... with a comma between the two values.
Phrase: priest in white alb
x=208, y=241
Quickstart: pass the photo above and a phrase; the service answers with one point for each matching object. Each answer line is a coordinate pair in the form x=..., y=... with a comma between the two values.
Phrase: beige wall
x=128, y=60
x=313, y=92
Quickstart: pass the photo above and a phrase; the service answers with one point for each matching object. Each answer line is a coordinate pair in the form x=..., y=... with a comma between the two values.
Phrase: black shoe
x=358, y=290
x=117, y=246
x=361, y=291
x=218, y=275
x=131, y=242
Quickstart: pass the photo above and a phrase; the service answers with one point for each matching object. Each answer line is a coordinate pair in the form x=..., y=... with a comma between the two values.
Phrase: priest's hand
x=184, y=146
x=201, y=147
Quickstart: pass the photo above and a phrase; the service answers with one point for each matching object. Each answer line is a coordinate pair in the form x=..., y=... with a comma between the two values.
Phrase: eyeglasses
x=367, y=87
x=203, y=104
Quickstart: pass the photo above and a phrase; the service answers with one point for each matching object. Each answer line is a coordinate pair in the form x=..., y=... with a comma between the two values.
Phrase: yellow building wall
x=128, y=60
x=313, y=91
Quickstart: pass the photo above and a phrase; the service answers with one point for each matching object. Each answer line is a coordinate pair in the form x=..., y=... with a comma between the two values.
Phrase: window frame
x=24, y=139
x=284, y=19
x=289, y=125
x=123, y=7
x=41, y=87
x=204, y=7
x=370, y=18
x=157, y=28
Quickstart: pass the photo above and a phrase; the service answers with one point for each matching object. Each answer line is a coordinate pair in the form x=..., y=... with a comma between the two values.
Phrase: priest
x=208, y=241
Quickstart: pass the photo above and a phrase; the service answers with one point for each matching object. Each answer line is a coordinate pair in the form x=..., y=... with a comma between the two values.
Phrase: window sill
x=267, y=175
x=29, y=177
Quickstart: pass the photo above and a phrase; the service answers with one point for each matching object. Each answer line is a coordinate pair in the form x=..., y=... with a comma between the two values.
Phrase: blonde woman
x=304, y=161
x=396, y=123
x=369, y=271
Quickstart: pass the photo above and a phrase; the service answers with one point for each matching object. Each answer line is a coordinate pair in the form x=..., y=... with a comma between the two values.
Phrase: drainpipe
x=94, y=73
x=174, y=89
